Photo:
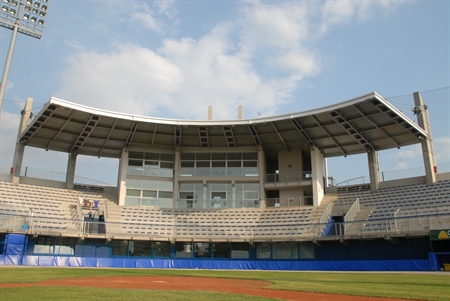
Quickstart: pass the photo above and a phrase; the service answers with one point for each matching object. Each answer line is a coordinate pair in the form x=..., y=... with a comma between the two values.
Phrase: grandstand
x=244, y=194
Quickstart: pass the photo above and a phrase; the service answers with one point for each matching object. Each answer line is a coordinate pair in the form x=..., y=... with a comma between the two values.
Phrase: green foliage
x=423, y=286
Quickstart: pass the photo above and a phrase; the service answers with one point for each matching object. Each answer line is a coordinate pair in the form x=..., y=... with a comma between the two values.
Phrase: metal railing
x=324, y=218
x=219, y=171
x=352, y=212
x=289, y=201
x=278, y=232
x=217, y=204
x=289, y=177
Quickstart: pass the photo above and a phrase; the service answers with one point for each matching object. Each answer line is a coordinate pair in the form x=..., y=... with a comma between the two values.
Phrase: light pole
x=24, y=16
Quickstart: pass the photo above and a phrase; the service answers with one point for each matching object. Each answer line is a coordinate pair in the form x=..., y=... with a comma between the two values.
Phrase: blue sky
x=172, y=59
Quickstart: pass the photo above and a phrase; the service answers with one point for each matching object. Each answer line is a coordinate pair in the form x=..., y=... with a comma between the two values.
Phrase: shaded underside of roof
x=356, y=126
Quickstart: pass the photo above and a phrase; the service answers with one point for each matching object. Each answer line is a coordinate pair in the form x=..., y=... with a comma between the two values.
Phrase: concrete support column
x=374, y=170
x=318, y=175
x=262, y=173
x=423, y=119
x=17, y=162
x=176, y=176
x=122, y=178
x=20, y=146
x=70, y=173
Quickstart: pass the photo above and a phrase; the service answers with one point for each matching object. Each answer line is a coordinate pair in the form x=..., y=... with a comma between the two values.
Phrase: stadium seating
x=57, y=211
x=380, y=207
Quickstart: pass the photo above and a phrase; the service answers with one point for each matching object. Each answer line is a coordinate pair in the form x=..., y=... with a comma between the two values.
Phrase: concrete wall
x=318, y=174
x=290, y=161
x=291, y=192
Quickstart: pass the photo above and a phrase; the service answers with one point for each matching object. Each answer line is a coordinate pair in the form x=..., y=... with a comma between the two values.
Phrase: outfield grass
x=420, y=286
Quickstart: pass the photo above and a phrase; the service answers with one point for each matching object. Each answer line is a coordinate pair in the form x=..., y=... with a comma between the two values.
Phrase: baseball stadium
x=244, y=194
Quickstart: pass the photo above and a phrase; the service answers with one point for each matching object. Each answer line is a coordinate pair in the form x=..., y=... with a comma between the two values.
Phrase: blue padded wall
x=349, y=265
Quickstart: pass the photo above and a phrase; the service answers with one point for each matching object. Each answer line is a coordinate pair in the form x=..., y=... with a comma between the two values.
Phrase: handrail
x=325, y=217
x=288, y=177
x=326, y=213
x=288, y=201
x=352, y=212
x=347, y=181
x=311, y=231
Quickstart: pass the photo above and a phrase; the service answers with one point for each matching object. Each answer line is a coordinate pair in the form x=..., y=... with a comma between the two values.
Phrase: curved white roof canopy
x=355, y=126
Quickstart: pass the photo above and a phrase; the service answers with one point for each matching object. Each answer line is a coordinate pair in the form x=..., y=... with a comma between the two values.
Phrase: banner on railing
x=440, y=234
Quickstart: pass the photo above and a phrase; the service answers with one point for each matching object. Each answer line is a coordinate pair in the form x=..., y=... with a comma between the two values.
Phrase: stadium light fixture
x=23, y=16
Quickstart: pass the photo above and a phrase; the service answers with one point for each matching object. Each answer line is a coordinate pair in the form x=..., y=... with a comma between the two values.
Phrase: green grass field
x=420, y=286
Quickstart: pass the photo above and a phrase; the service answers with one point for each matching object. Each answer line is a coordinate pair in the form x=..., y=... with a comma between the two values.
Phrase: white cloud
x=166, y=7
x=184, y=76
x=9, y=126
x=442, y=149
x=142, y=15
x=336, y=12
x=409, y=152
x=401, y=165
x=278, y=34
x=130, y=79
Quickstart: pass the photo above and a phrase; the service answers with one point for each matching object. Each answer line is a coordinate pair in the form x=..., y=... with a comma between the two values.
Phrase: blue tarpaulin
x=288, y=265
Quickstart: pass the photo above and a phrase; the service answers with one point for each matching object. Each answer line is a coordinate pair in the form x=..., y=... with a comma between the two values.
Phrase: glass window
x=250, y=156
x=250, y=164
x=240, y=250
x=187, y=187
x=187, y=163
x=152, y=156
x=151, y=163
x=234, y=163
x=218, y=164
x=202, y=250
x=133, y=192
x=203, y=163
x=222, y=250
x=166, y=185
x=149, y=193
x=263, y=251
x=251, y=195
x=203, y=156
x=218, y=186
x=168, y=157
x=132, y=183
x=149, y=185
x=285, y=251
x=166, y=194
x=44, y=245
x=216, y=195
x=187, y=156
x=219, y=156
x=251, y=186
x=168, y=165
x=141, y=249
x=183, y=249
x=234, y=156
x=307, y=251
x=186, y=195
x=136, y=155
x=135, y=162
x=119, y=247
x=65, y=246
x=161, y=249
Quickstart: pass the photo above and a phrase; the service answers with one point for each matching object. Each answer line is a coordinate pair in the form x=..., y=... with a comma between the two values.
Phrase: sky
x=173, y=59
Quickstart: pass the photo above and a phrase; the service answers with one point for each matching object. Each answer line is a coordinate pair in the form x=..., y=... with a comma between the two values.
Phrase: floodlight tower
x=24, y=16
